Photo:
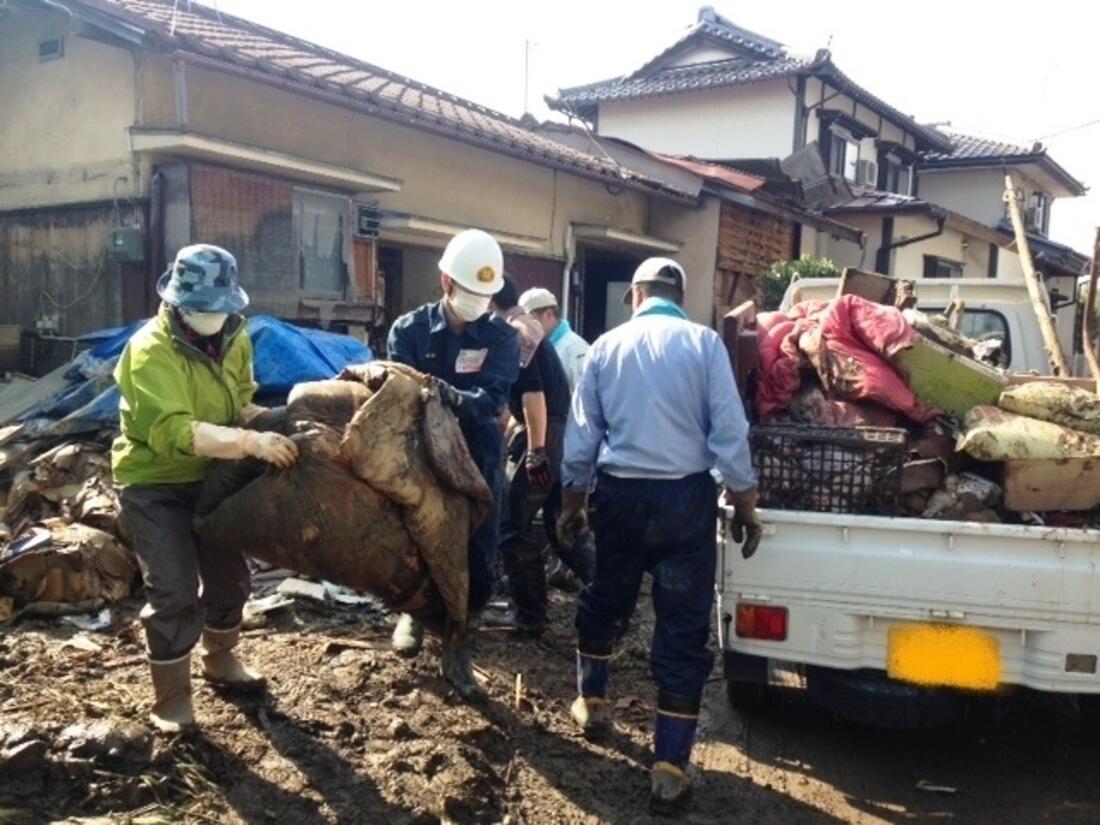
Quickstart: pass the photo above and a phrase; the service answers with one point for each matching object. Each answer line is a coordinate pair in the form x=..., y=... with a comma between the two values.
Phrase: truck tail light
x=757, y=621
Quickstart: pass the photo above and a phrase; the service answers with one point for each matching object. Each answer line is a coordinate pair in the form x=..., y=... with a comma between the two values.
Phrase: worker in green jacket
x=186, y=380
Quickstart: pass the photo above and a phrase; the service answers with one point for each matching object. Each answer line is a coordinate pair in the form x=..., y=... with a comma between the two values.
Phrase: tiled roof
x=972, y=147
x=221, y=39
x=874, y=200
x=757, y=59
x=971, y=151
x=713, y=27
x=736, y=71
x=728, y=176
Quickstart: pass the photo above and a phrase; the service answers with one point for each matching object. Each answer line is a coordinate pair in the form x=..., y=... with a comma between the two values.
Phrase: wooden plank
x=1039, y=485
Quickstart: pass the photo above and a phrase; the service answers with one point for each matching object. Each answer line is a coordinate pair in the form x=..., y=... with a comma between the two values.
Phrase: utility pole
x=1039, y=303
x=526, y=73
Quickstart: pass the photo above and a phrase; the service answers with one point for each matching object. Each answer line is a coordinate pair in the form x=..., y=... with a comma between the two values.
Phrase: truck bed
x=849, y=582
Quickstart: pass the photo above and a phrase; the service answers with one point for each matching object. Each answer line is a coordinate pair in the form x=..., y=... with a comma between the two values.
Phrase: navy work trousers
x=667, y=528
x=486, y=444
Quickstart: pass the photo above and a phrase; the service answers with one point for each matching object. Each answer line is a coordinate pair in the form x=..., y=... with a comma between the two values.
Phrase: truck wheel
x=745, y=696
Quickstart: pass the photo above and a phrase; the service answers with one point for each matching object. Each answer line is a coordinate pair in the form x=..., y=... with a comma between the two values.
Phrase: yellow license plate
x=947, y=655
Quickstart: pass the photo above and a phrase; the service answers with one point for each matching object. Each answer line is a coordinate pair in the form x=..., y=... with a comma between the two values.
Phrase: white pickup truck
x=865, y=610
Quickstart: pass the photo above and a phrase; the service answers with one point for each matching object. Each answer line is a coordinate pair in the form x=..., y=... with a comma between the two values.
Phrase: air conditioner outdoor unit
x=867, y=173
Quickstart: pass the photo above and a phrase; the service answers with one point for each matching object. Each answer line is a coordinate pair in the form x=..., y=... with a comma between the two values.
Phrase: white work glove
x=212, y=441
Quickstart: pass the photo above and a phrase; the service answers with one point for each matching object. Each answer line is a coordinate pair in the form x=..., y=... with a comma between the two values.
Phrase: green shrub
x=773, y=282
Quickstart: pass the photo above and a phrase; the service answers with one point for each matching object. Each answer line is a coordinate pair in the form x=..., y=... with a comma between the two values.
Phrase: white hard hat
x=474, y=261
x=537, y=298
x=658, y=271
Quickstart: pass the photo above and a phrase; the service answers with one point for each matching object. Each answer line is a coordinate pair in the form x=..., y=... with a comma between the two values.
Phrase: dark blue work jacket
x=482, y=362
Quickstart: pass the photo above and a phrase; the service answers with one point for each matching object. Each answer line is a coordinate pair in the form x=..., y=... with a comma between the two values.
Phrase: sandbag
x=991, y=434
x=332, y=403
x=442, y=507
x=316, y=518
x=1073, y=407
x=384, y=497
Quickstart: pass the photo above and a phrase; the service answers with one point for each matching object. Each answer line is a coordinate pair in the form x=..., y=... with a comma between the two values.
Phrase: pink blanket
x=848, y=342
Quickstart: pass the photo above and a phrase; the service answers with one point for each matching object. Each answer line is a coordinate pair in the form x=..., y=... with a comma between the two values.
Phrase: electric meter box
x=127, y=245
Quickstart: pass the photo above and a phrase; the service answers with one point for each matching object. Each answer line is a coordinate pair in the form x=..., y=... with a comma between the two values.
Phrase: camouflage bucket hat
x=203, y=279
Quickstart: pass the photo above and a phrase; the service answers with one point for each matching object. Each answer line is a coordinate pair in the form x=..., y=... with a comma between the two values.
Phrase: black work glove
x=538, y=468
x=574, y=517
x=450, y=397
x=746, y=527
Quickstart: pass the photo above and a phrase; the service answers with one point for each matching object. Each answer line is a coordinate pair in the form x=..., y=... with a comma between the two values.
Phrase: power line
x=1070, y=129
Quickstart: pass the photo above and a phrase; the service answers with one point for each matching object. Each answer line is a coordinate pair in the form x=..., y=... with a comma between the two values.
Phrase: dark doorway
x=605, y=277
x=390, y=260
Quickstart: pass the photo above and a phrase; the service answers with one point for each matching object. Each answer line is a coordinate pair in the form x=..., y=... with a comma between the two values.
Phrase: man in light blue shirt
x=655, y=411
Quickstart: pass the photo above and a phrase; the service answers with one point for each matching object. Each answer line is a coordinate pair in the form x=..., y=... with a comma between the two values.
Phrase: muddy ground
x=350, y=734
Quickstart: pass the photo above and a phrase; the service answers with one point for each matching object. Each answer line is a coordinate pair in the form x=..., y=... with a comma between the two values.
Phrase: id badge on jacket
x=470, y=361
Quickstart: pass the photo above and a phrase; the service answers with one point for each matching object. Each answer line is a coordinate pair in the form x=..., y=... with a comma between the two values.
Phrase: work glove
x=538, y=469
x=231, y=443
x=746, y=526
x=450, y=397
x=574, y=516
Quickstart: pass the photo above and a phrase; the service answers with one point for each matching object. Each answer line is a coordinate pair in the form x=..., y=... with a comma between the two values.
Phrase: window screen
x=320, y=223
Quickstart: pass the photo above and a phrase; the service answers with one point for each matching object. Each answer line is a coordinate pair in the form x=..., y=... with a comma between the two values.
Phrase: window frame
x=306, y=290
x=934, y=261
x=894, y=169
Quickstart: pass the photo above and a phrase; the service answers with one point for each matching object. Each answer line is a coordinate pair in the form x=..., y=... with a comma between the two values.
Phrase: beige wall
x=442, y=178
x=698, y=229
x=976, y=193
x=743, y=122
x=843, y=252
x=68, y=143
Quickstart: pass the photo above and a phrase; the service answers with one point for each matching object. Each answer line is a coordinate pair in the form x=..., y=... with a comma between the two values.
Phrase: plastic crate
x=829, y=469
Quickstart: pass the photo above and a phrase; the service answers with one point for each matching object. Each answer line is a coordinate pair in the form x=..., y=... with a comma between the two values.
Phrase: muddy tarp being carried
x=383, y=498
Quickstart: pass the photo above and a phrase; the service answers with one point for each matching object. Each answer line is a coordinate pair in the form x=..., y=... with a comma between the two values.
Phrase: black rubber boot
x=523, y=562
x=456, y=662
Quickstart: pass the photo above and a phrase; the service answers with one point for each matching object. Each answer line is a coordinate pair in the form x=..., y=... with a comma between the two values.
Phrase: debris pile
x=973, y=443
x=62, y=545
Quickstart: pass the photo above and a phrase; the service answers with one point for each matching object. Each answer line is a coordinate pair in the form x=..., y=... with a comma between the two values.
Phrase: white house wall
x=753, y=121
x=821, y=96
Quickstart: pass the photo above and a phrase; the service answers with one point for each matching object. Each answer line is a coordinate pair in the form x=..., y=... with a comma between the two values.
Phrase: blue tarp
x=285, y=355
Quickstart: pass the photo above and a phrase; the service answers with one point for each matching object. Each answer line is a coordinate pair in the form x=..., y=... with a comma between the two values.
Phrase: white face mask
x=466, y=305
x=204, y=323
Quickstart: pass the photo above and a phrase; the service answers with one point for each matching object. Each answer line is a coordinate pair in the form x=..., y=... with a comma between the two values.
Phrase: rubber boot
x=589, y=709
x=408, y=637
x=172, y=711
x=220, y=664
x=526, y=569
x=674, y=737
x=456, y=664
